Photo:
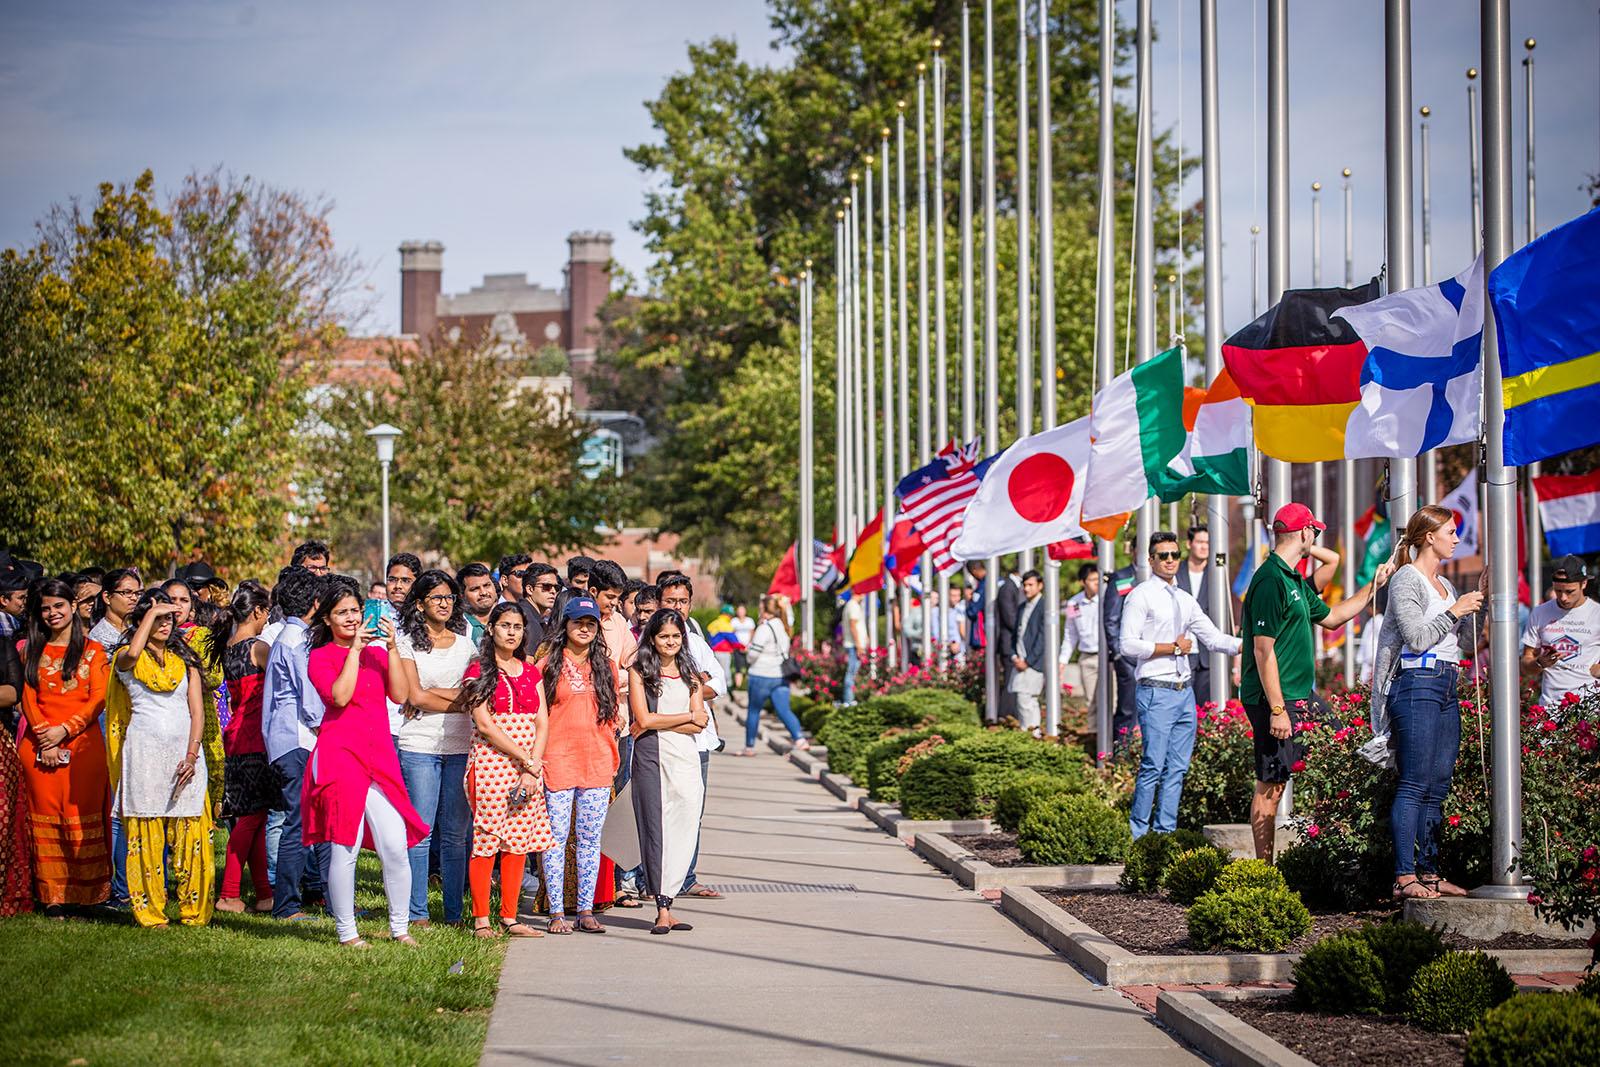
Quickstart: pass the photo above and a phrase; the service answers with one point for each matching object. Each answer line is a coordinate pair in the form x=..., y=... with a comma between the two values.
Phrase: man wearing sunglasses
x=1160, y=621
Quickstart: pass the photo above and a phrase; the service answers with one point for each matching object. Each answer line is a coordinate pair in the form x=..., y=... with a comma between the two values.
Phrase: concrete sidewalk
x=835, y=944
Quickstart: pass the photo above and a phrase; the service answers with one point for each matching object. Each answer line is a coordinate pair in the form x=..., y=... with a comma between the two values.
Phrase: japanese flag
x=1031, y=496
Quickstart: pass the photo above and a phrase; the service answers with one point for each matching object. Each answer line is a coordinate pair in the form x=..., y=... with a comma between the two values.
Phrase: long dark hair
x=38, y=634
x=335, y=587
x=412, y=622
x=605, y=682
x=249, y=596
x=109, y=584
x=481, y=690
x=175, y=644
x=648, y=661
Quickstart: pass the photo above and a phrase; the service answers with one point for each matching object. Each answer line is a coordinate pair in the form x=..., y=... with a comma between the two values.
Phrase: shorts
x=741, y=661
x=1275, y=759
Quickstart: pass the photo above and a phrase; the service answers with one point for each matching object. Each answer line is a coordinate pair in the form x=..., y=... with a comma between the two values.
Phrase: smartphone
x=371, y=612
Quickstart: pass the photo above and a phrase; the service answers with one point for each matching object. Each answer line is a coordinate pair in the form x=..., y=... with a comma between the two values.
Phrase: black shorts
x=1275, y=759
x=740, y=661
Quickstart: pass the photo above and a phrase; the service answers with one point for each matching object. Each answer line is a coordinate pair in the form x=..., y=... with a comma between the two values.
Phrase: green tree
x=485, y=466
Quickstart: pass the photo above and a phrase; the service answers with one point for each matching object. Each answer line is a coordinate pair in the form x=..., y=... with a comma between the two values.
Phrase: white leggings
x=389, y=836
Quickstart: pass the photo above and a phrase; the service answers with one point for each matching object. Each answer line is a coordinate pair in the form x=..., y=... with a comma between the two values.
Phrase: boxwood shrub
x=884, y=757
x=1251, y=919
x=849, y=732
x=811, y=713
x=1023, y=789
x=1403, y=948
x=1454, y=992
x=962, y=780
x=1192, y=873
x=1341, y=975
x=1073, y=829
x=1248, y=874
x=1537, y=1030
x=1150, y=857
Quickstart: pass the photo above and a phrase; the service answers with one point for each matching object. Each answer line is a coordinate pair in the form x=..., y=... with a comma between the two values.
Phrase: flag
x=1300, y=371
x=1032, y=495
x=1254, y=552
x=1421, y=381
x=1569, y=506
x=1373, y=529
x=1071, y=548
x=905, y=549
x=1137, y=428
x=721, y=635
x=824, y=571
x=865, y=572
x=1462, y=501
x=1215, y=459
x=1547, y=318
x=786, y=581
x=934, y=498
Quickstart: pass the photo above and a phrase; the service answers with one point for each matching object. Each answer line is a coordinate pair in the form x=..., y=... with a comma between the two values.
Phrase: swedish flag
x=1546, y=300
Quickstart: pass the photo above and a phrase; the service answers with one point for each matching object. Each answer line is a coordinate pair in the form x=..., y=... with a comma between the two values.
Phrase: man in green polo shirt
x=1278, y=674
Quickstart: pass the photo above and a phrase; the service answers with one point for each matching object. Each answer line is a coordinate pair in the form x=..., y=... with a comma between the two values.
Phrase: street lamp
x=383, y=435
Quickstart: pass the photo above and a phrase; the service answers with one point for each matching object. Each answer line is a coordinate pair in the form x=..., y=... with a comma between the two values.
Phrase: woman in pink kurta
x=353, y=793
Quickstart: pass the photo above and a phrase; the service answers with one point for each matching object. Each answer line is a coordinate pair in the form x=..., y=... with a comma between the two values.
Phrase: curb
x=980, y=875
x=1220, y=1035
x=890, y=821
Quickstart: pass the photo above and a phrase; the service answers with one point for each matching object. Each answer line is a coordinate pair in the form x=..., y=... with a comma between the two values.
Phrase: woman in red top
x=353, y=792
x=248, y=786
x=580, y=757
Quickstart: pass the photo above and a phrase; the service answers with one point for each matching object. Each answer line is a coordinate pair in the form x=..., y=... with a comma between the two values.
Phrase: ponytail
x=1424, y=521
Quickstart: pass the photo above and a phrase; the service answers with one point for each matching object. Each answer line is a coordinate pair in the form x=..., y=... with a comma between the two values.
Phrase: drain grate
x=784, y=887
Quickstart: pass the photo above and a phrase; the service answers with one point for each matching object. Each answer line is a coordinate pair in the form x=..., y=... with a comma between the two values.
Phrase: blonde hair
x=1426, y=520
x=774, y=604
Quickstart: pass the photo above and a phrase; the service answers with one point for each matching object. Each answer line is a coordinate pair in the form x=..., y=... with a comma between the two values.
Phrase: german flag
x=1300, y=371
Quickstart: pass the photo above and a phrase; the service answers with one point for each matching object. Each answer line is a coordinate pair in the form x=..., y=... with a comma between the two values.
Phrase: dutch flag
x=1569, y=506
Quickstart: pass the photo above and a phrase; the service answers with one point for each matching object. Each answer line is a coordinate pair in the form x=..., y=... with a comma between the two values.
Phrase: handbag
x=790, y=669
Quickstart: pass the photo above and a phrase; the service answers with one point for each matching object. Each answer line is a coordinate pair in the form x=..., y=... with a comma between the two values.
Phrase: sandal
x=660, y=929
x=745, y=752
x=357, y=943
x=588, y=924
x=517, y=929
x=802, y=745
x=1413, y=890
x=407, y=940
x=682, y=926
x=485, y=930
x=704, y=892
x=559, y=925
x=1441, y=887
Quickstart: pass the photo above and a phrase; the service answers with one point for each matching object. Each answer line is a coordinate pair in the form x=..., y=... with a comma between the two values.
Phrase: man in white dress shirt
x=1082, y=631
x=1160, y=622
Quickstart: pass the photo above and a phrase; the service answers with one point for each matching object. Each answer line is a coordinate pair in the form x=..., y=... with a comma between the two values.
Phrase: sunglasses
x=1167, y=555
x=547, y=587
x=517, y=574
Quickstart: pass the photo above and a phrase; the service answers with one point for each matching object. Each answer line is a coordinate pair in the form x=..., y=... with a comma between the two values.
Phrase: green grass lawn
x=245, y=990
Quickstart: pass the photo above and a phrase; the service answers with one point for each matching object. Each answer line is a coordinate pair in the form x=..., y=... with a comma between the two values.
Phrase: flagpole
x=841, y=388
x=1505, y=786
x=1347, y=467
x=942, y=407
x=924, y=398
x=1397, y=199
x=903, y=408
x=1533, y=521
x=1105, y=336
x=1428, y=462
x=991, y=354
x=1024, y=278
x=1145, y=251
x=1278, y=486
x=1318, y=493
x=807, y=526
x=969, y=385
x=1217, y=593
x=870, y=398
x=858, y=498
x=1047, y=369
x=887, y=499
x=1472, y=162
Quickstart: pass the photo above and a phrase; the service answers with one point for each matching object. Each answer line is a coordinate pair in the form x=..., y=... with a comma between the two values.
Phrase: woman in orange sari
x=63, y=752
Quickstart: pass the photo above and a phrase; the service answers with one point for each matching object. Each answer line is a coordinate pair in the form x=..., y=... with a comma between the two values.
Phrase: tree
x=484, y=468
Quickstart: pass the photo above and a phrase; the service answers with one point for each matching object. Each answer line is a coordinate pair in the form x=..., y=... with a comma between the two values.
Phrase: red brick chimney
x=588, y=284
x=421, y=270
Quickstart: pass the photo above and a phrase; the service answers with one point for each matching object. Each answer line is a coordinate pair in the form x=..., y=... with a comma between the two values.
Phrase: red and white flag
x=1031, y=496
x=934, y=498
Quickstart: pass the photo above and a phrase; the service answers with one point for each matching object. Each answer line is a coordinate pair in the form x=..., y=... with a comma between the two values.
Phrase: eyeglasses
x=1167, y=555
x=400, y=580
x=517, y=574
x=441, y=599
x=546, y=587
x=134, y=592
x=81, y=601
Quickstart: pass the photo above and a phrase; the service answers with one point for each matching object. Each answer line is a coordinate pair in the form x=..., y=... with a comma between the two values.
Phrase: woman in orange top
x=63, y=751
x=580, y=757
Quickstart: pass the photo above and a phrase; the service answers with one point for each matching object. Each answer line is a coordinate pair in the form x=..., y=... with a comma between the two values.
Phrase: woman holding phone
x=668, y=793
x=156, y=718
x=353, y=789
x=505, y=772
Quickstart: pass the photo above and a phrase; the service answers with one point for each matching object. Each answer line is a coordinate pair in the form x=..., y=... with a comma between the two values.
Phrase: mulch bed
x=998, y=849
x=1148, y=924
x=1350, y=1040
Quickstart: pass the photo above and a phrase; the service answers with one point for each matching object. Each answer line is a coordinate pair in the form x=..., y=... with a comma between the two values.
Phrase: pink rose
x=1548, y=726
x=1535, y=898
x=1358, y=721
x=1313, y=830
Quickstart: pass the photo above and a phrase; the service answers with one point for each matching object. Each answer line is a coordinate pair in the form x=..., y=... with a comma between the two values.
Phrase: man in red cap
x=1278, y=673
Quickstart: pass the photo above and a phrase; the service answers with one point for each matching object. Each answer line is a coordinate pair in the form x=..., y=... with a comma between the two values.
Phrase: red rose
x=1313, y=830
x=1298, y=766
x=1548, y=726
x=1535, y=898
x=1455, y=820
x=1358, y=721
x=1344, y=794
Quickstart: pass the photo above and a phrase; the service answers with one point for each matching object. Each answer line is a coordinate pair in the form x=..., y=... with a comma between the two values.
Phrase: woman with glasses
x=119, y=593
x=436, y=735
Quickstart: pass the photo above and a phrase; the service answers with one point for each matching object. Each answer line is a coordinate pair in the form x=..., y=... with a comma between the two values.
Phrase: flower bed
x=1151, y=924
x=1349, y=1040
x=998, y=849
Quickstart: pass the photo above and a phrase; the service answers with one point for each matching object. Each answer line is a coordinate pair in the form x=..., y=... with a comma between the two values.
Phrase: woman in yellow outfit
x=154, y=709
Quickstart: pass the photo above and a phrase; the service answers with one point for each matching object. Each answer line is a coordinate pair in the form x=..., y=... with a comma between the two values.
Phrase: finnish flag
x=1420, y=383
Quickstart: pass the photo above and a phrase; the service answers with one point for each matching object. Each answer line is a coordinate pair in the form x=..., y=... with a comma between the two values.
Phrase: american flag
x=824, y=575
x=934, y=498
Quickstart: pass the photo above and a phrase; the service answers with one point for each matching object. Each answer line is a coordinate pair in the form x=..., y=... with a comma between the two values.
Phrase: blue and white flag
x=1420, y=383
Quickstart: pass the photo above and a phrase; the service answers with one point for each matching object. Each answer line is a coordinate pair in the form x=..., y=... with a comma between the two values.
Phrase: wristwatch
x=1279, y=709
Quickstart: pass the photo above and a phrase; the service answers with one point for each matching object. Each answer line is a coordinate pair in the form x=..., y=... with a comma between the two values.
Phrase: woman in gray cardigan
x=1414, y=696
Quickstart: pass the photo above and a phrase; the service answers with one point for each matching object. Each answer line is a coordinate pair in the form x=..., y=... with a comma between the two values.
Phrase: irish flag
x=1216, y=455
x=1137, y=429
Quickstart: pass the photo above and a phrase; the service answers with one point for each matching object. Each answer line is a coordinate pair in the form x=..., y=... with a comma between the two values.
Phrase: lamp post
x=383, y=435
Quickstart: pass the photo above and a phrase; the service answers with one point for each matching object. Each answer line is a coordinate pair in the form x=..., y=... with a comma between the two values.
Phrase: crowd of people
x=457, y=724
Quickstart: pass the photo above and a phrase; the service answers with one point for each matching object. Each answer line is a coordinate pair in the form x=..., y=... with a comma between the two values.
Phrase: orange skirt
x=69, y=819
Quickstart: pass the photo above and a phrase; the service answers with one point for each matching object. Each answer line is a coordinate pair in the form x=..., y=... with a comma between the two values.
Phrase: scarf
x=160, y=678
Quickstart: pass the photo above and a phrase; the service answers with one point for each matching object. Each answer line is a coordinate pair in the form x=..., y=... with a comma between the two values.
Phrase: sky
x=498, y=128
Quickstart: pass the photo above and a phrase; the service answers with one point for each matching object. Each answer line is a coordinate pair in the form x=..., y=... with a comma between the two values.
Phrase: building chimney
x=588, y=284
x=421, y=270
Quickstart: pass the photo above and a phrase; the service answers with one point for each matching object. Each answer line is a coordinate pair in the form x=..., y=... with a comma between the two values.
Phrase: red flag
x=1071, y=549
x=786, y=581
x=905, y=549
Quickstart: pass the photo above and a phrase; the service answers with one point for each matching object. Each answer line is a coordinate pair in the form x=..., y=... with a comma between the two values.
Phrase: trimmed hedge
x=1452, y=994
x=1537, y=1030
x=883, y=757
x=811, y=713
x=849, y=732
x=1253, y=919
x=1191, y=874
x=1341, y=975
x=962, y=780
x=1020, y=792
x=1073, y=829
x=1150, y=857
x=1404, y=948
x=1248, y=874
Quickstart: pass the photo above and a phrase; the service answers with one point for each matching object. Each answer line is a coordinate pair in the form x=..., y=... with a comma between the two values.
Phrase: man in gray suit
x=1194, y=577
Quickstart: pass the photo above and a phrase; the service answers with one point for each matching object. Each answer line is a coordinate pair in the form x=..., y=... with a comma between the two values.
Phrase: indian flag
x=1136, y=429
x=1215, y=459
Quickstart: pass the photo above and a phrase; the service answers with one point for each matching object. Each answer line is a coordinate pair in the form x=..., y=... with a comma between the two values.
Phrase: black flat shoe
x=661, y=929
x=682, y=926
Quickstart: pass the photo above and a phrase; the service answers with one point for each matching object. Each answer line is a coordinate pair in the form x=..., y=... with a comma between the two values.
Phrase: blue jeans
x=291, y=875
x=437, y=787
x=762, y=689
x=1167, y=723
x=1425, y=719
x=705, y=767
x=119, y=863
x=274, y=835
x=852, y=664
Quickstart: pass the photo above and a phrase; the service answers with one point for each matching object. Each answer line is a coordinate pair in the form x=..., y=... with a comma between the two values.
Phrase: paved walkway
x=835, y=944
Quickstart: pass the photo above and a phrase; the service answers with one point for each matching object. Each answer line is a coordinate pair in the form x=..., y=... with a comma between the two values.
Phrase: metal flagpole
x=969, y=385
x=991, y=354
x=1397, y=203
x=942, y=407
x=1144, y=347
x=807, y=526
x=841, y=387
x=1024, y=277
x=1217, y=595
x=1278, y=473
x=903, y=407
x=1318, y=494
x=858, y=466
x=1047, y=369
x=1347, y=467
x=1428, y=462
x=889, y=433
x=1472, y=162
x=1505, y=784
x=924, y=398
x=870, y=398
x=1533, y=521
x=1105, y=337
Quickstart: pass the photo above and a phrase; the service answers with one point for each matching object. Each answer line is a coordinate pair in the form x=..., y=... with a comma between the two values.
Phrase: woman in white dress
x=668, y=792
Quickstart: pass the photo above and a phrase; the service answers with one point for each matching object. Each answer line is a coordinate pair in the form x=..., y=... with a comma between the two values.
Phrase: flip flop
x=595, y=929
x=661, y=929
x=682, y=926
x=703, y=892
